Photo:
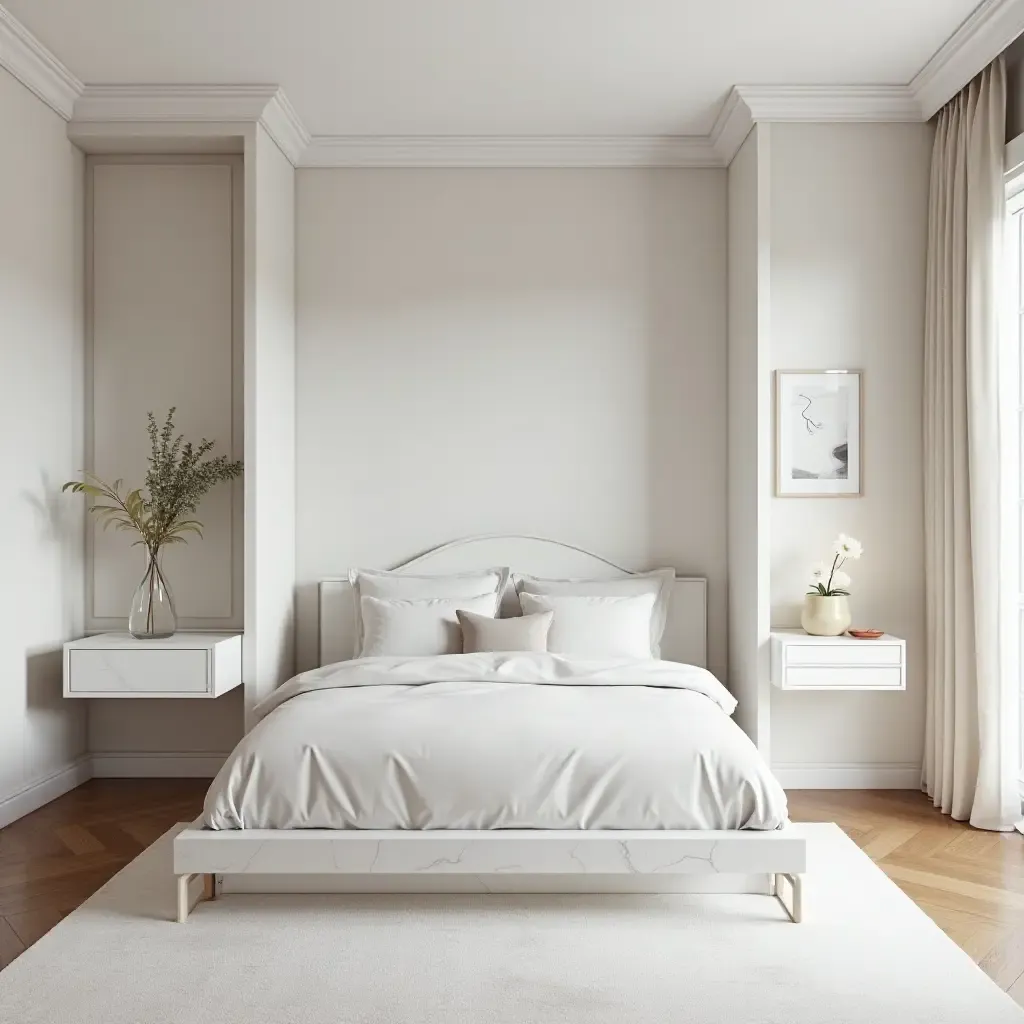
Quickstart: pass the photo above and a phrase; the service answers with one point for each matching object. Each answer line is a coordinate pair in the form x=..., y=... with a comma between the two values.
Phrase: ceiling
x=496, y=67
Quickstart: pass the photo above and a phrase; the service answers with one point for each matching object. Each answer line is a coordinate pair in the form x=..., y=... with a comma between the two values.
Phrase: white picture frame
x=818, y=434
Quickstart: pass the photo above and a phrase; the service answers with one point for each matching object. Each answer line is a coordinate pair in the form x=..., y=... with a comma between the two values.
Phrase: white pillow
x=596, y=626
x=418, y=629
x=399, y=586
x=658, y=582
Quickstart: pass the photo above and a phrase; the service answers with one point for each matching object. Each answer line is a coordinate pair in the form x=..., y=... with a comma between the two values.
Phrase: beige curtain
x=971, y=759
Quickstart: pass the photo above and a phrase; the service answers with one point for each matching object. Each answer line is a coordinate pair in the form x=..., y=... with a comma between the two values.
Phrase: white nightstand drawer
x=134, y=671
x=834, y=677
x=201, y=665
x=802, y=662
x=856, y=652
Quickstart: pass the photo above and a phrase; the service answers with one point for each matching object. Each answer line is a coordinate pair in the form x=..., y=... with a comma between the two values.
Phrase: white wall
x=538, y=351
x=268, y=656
x=848, y=235
x=41, y=343
x=749, y=434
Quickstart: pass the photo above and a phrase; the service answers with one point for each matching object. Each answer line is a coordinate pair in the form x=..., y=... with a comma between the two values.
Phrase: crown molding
x=35, y=67
x=121, y=106
x=975, y=44
x=731, y=127
x=826, y=103
x=509, y=151
x=747, y=105
x=285, y=127
x=117, y=107
x=168, y=104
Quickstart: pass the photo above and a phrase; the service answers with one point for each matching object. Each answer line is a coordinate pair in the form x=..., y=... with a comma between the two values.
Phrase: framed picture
x=818, y=433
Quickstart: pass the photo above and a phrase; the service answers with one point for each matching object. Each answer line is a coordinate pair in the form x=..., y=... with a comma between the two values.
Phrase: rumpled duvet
x=493, y=741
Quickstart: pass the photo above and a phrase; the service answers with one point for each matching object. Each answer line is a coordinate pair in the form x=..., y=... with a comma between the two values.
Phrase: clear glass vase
x=152, y=616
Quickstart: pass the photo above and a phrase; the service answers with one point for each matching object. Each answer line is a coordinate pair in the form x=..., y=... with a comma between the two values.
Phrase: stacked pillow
x=414, y=616
x=602, y=618
x=398, y=614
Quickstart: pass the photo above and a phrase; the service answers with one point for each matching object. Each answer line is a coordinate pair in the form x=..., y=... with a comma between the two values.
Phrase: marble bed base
x=303, y=860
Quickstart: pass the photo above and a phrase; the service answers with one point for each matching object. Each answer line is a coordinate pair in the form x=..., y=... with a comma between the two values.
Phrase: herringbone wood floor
x=53, y=860
x=970, y=883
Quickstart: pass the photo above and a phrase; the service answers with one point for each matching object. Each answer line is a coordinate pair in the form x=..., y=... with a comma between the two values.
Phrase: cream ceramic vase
x=825, y=616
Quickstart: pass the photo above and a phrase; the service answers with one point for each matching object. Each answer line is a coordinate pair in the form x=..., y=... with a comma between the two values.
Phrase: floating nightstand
x=184, y=665
x=804, y=662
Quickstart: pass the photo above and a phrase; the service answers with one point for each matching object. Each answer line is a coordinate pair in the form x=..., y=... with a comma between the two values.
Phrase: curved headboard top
x=685, y=636
x=533, y=556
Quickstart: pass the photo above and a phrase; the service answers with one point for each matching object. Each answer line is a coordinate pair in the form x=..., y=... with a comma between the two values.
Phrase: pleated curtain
x=971, y=762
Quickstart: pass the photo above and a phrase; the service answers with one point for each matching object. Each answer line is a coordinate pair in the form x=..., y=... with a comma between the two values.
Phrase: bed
x=498, y=770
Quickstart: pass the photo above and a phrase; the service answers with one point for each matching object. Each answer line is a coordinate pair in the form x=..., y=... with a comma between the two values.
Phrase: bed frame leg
x=184, y=903
x=795, y=908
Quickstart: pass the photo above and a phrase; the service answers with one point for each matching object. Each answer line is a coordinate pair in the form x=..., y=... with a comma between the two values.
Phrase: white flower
x=848, y=547
x=840, y=581
x=819, y=573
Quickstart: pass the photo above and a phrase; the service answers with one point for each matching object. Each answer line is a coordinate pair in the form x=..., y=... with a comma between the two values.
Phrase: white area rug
x=866, y=955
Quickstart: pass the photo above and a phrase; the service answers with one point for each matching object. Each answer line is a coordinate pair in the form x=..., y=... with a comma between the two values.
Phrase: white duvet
x=486, y=741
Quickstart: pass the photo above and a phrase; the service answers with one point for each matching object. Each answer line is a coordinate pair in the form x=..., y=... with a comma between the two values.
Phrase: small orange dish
x=866, y=634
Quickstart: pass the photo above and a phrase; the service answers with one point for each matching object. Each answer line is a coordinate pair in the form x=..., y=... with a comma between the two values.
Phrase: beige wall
x=848, y=236
x=546, y=352
x=162, y=314
x=165, y=330
x=41, y=344
x=520, y=351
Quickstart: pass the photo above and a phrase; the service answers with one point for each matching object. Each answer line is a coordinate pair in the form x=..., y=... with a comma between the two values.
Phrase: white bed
x=518, y=772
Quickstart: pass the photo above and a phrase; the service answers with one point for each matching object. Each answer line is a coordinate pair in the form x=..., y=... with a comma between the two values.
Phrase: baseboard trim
x=900, y=775
x=40, y=792
x=156, y=765
x=111, y=765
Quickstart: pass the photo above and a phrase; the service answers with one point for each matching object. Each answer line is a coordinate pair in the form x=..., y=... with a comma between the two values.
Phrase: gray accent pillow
x=481, y=633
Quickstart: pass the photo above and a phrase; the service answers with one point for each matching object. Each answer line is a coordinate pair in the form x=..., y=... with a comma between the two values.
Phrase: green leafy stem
x=178, y=477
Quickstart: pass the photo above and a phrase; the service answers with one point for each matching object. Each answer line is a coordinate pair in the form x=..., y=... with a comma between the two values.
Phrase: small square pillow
x=418, y=629
x=522, y=633
x=597, y=626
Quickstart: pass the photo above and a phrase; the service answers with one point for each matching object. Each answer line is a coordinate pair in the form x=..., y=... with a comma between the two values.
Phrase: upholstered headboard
x=685, y=636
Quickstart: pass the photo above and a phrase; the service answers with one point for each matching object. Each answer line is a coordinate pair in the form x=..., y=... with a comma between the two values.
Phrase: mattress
x=493, y=741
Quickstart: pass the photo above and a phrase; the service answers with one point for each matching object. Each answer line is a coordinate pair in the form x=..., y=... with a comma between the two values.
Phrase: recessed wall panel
x=162, y=319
